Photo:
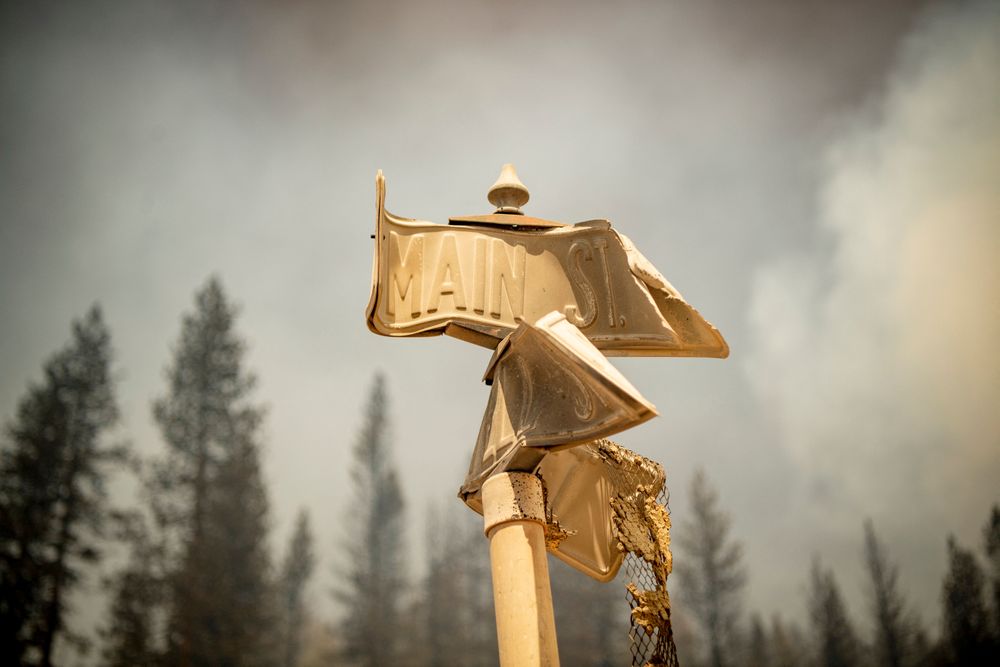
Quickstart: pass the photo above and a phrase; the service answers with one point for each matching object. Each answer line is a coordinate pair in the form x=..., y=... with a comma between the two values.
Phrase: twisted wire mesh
x=651, y=643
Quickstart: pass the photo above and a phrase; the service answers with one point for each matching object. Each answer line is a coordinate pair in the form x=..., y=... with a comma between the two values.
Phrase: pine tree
x=787, y=647
x=591, y=618
x=991, y=537
x=296, y=571
x=443, y=602
x=54, y=509
x=372, y=592
x=136, y=594
x=206, y=412
x=757, y=650
x=927, y=653
x=456, y=608
x=210, y=497
x=836, y=641
x=894, y=626
x=711, y=571
x=966, y=634
x=233, y=569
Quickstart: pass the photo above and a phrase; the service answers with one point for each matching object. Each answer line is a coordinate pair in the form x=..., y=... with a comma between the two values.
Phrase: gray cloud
x=146, y=145
x=878, y=359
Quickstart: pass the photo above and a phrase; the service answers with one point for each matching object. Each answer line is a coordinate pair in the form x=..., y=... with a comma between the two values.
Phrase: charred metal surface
x=633, y=464
x=651, y=609
x=643, y=527
x=581, y=484
x=555, y=534
x=516, y=496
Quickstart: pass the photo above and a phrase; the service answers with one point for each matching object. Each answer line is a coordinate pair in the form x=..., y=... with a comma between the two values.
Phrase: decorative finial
x=508, y=194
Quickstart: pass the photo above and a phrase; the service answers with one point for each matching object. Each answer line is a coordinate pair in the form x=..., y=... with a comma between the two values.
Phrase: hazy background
x=819, y=179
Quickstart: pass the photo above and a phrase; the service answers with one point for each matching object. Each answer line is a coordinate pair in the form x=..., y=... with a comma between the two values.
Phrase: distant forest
x=200, y=587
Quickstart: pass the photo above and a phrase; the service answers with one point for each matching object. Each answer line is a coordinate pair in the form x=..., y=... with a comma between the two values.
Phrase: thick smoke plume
x=880, y=359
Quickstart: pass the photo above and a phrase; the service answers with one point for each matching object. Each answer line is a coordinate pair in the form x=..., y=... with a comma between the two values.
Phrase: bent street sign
x=587, y=487
x=551, y=389
x=479, y=281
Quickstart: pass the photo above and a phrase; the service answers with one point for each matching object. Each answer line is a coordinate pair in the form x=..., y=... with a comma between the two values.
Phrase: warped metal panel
x=482, y=277
x=551, y=389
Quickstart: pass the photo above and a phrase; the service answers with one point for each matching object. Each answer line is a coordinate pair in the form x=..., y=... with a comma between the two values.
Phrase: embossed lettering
x=407, y=274
x=479, y=277
x=447, y=275
x=613, y=319
x=507, y=275
x=584, y=313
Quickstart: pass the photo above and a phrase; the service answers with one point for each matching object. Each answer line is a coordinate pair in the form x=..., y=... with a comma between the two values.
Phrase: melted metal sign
x=584, y=484
x=478, y=281
x=552, y=300
x=552, y=389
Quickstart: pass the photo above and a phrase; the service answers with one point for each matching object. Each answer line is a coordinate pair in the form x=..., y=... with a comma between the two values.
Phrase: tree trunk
x=53, y=612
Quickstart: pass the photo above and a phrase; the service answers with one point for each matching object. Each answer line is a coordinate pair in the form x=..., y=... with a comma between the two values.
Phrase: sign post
x=551, y=300
x=514, y=521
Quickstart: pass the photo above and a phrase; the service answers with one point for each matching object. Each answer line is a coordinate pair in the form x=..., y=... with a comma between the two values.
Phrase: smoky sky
x=759, y=154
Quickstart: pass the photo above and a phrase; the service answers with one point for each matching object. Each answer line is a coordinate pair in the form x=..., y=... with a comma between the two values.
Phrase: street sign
x=477, y=279
x=583, y=484
x=551, y=389
x=551, y=300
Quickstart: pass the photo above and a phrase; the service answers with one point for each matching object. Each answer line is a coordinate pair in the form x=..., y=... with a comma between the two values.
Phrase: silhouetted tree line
x=712, y=632
x=198, y=586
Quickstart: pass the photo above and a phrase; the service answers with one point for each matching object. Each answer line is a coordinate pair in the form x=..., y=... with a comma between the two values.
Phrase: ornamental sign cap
x=508, y=194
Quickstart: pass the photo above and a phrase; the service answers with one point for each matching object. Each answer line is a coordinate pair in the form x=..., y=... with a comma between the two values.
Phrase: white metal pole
x=514, y=521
